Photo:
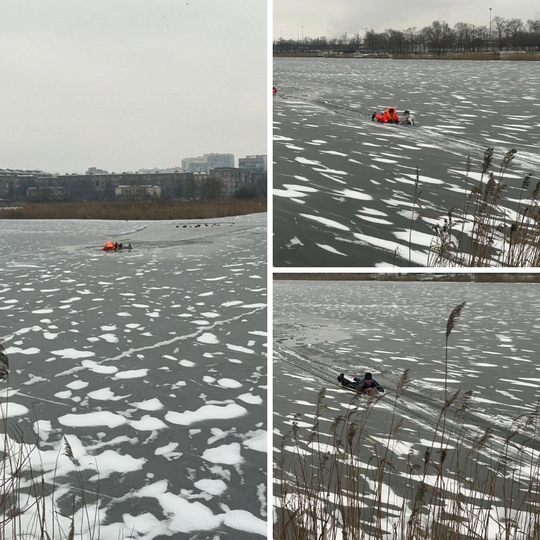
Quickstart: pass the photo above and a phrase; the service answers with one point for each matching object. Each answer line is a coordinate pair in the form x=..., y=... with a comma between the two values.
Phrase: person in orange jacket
x=390, y=116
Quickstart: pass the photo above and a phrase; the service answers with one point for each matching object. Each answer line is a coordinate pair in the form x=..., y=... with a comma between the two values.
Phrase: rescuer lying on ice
x=390, y=116
x=367, y=385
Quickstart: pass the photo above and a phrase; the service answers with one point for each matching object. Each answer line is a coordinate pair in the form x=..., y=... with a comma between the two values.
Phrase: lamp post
x=490, y=44
x=365, y=42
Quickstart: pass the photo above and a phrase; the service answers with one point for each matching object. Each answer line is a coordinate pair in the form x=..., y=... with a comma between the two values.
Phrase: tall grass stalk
x=417, y=193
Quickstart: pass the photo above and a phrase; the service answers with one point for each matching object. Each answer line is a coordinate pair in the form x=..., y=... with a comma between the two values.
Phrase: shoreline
x=454, y=275
x=510, y=56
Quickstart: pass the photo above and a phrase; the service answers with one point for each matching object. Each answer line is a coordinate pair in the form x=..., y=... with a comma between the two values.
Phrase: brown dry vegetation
x=29, y=503
x=136, y=210
x=521, y=56
x=304, y=55
x=483, y=233
x=517, y=56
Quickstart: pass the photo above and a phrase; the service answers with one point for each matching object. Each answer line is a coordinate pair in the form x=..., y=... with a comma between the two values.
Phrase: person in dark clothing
x=367, y=385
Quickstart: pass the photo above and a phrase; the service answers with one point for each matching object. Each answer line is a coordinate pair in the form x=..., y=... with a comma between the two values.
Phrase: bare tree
x=533, y=27
x=411, y=39
x=370, y=41
x=440, y=37
x=462, y=33
x=514, y=28
x=479, y=38
x=355, y=41
x=499, y=23
x=395, y=41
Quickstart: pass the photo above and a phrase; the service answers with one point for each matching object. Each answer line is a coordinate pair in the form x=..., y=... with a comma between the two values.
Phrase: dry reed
x=159, y=210
x=29, y=503
x=490, y=233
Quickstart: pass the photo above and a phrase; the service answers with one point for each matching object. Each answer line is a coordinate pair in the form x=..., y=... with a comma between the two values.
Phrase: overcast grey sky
x=129, y=84
x=332, y=18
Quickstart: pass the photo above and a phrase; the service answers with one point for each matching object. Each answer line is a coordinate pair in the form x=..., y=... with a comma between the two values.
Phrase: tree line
x=438, y=38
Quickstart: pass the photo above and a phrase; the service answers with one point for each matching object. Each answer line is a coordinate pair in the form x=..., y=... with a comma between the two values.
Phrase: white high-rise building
x=207, y=162
x=253, y=163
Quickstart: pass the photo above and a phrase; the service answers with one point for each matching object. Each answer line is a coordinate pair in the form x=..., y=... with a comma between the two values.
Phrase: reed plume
x=451, y=322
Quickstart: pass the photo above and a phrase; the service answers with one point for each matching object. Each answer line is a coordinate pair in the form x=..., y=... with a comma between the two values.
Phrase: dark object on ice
x=4, y=364
x=117, y=246
x=367, y=385
x=408, y=118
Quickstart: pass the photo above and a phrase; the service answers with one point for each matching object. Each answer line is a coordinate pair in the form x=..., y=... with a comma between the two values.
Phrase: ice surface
x=104, y=352
x=323, y=120
x=399, y=326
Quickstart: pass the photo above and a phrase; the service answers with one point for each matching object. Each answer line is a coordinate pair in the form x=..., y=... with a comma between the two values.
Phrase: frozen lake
x=151, y=363
x=323, y=328
x=344, y=186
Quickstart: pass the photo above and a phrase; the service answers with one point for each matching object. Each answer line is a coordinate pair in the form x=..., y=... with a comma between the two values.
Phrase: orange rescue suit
x=390, y=115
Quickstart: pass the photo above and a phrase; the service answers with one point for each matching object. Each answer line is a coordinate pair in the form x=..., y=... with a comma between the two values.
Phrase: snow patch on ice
x=206, y=412
x=93, y=419
x=226, y=454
